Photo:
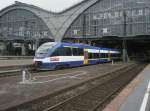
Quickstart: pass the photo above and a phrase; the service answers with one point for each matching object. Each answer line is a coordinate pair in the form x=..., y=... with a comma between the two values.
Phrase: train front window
x=43, y=49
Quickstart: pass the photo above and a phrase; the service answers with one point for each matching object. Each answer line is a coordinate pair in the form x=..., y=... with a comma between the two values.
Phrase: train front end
x=42, y=56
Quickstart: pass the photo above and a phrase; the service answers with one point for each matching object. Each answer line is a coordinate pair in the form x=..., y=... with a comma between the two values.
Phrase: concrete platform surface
x=135, y=97
x=13, y=91
x=4, y=63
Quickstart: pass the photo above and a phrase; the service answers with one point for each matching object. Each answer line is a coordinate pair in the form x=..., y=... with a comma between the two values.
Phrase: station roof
x=58, y=23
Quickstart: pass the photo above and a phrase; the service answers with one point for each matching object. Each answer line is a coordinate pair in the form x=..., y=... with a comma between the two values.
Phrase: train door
x=85, y=57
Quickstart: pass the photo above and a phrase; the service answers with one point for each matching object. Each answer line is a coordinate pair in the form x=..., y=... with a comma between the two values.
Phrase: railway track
x=6, y=71
x=95, y=98
x=90, y=95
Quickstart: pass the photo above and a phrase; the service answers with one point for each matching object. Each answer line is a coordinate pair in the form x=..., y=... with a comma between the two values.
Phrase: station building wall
x=90, y=19
x=119, y=18
x=22, y=27
x=22, y=24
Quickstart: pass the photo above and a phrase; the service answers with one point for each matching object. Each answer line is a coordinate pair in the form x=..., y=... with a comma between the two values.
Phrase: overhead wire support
x=124, y=42
x=84, y=28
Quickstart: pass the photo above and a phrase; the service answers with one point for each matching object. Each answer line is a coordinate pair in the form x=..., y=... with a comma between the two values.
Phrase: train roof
x=80, y=45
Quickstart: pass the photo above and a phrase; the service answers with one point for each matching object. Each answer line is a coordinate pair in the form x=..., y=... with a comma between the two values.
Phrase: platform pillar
x=23, y=50
x=124, y=51
x=36, y=44
x=3, y=48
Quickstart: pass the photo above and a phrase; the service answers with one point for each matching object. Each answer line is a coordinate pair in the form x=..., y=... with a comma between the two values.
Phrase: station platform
x=15, y=91
x=135, y=96
x=15, y=62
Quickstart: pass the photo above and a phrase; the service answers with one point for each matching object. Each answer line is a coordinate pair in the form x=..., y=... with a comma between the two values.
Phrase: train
x=54, y=55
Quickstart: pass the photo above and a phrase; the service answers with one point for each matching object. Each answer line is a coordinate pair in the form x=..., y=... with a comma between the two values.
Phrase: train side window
x=106, y=55
x=96, y=55
x=59, y=52
x=55, y=53
x=90, y=55
x=102, y=55
x=113, y=55
x=75, y=51
x=62, y=51
x=116, y=55
x=80, y=51
x=68, y=52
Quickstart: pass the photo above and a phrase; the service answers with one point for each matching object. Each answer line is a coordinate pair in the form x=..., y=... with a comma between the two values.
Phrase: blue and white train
x=53, y=55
